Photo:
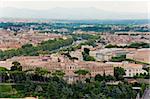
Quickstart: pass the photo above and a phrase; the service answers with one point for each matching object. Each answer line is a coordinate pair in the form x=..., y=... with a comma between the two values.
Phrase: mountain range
x=69, y=13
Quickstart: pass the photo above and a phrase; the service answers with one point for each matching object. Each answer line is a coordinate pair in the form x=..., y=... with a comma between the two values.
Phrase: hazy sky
x=108, y=5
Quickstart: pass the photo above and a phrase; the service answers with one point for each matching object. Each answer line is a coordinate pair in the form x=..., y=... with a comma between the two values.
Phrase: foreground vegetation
x=40, y=82
x=57, y=88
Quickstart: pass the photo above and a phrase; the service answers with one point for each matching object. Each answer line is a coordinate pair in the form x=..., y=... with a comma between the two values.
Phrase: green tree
x=41, y=73
x=86, y=50
x=98, y=77
x=81, y=72
x=109, y=78
x=111, y=46
x=52, y=92
x=119, y=73
x=29, y=50
x=58, y=73
x=104, y=88
x=27, y=45
x=116, y=93
x=16, y=66
x=16, y=73
x=119, y=58
x=86, y=55
x=3, y=74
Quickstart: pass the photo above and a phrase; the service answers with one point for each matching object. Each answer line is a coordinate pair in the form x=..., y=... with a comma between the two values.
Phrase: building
x=86, y=46
x=123, y=39
x=77, y=54
x=107, y=53
x=142, y=55
x=60, y=62
x=11, y=40
x=131, y=69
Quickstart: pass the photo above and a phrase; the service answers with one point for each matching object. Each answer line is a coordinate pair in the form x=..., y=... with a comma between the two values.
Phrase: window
x=129, y=70
x=129, y=74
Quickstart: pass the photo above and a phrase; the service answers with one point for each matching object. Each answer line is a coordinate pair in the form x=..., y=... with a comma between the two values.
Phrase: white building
x=131, y=69
x=77, y=54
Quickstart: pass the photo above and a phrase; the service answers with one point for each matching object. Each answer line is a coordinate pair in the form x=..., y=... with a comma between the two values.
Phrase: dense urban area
x=74, y=59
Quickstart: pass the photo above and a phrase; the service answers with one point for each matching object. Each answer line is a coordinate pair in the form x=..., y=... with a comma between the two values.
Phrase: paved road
x=146, y=94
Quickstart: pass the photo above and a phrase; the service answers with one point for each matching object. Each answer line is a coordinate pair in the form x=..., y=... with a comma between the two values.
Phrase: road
x=146, y=94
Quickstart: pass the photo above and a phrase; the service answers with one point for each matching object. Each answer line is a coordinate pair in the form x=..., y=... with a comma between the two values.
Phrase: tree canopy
x=29, y=50
x=86, y=56
x=119, y=73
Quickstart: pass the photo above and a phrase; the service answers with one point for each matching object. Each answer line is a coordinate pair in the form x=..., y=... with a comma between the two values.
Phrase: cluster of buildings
x=131, y=69
x=10, y=40
x=60, y=62
x=57, y=61
x=105, y=54
x=142, y=55
x=125, y=39
x=133, y=33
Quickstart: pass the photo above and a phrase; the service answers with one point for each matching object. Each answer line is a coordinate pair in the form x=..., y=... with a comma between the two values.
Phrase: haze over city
x=74, y=9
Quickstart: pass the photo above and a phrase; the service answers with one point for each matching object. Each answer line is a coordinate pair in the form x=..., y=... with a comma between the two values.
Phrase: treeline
x=132, y=45
x=120, y=58
x=57, y=88
x=40, y=83
x=86, y=56
x=84, y=36
x=90, y=40
x=94, y=28
x=42, y=48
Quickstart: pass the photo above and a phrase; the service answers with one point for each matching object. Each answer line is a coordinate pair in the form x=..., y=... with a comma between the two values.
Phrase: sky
x=119, y=6
x=116, y=5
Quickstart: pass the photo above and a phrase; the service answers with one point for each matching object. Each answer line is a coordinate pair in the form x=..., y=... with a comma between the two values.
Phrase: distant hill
x=121, y=21
x=69, y=13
